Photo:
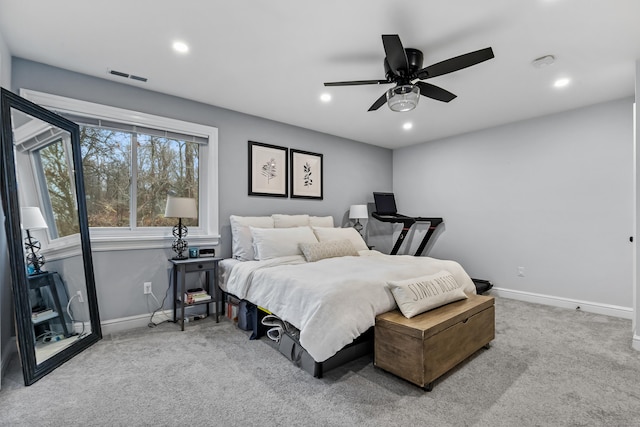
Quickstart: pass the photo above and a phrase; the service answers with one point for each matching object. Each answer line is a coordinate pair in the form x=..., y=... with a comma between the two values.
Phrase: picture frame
x=268, y=170
x=306, y=174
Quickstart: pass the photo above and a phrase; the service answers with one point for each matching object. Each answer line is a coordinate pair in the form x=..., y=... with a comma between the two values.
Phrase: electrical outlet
x=521, y=271
x=80, y=299
x=147, y=288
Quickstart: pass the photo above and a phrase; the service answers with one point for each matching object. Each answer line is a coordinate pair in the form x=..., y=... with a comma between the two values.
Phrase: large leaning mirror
x=56, y=310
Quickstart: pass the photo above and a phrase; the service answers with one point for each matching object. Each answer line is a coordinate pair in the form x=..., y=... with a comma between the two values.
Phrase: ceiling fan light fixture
x=403, y=98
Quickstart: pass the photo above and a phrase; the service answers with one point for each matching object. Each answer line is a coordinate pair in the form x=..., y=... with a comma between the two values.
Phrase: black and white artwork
x=306, y=174
x=268, y=170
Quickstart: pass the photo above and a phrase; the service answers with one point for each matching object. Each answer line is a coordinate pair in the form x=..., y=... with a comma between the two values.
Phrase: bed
x=322, y=280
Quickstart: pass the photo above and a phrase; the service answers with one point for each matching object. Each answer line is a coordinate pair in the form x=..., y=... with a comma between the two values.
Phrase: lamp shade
x=32, y=218
x=181, y=207
x=358, y=211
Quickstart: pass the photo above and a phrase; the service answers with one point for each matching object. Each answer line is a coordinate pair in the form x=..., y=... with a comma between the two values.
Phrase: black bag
x=482, y=286
x=246, y=311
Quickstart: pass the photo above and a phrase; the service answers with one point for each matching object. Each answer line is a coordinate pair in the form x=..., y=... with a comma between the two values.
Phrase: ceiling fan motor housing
x=414, y=61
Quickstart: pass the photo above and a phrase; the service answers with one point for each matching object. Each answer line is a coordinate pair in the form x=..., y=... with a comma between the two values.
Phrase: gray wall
x=352, y=171
x=6, y=305
x=553, y=195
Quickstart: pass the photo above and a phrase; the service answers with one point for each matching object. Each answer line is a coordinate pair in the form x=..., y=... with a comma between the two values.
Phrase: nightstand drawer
x=199, y=266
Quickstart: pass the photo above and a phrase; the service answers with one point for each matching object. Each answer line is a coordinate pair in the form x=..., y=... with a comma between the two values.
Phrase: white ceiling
x=270, y=58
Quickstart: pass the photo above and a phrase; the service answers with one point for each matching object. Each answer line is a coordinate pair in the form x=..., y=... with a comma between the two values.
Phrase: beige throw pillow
x=420, y=294
x=321, y=250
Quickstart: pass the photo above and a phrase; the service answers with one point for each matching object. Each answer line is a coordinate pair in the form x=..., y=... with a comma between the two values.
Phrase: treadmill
x=386, y=211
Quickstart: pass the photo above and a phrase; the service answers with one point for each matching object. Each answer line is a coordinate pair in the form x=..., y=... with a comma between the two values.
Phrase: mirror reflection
x=43, y=201
x=50, y=228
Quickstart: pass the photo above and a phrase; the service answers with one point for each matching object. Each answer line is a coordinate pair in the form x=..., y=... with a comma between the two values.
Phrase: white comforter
x=334, y=300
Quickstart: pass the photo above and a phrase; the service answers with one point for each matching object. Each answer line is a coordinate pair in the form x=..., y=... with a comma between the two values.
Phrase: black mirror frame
x=11, y=207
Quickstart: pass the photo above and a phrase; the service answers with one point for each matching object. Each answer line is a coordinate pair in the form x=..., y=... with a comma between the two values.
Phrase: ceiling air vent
x=141, y=79
x=128, y=76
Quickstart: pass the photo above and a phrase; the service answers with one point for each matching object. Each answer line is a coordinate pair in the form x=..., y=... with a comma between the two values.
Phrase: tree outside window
x=132, y=161
x=113, y=188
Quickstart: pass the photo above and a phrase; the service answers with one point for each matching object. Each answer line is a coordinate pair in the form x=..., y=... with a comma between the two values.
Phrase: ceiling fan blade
x=396, y=55
x=357, y=82
x=435, y=92
x=457, y=63
x=379, y=102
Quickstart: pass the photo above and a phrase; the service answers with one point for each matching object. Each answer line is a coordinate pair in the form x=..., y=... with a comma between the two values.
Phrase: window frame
x=125, y=238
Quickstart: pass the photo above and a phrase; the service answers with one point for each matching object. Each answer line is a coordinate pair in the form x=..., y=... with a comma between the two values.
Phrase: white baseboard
x=131, y=322
x=635, y=344
x=591, y=307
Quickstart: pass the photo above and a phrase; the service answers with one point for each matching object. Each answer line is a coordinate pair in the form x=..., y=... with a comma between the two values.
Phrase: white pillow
x=420, y=294
x=321, y=250
x=326, y=234
x=288, y=221
x=241, y=240
x=321, y=221
x=278, y=242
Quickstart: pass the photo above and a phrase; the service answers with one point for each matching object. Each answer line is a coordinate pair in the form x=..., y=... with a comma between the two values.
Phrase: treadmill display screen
x=385, y=203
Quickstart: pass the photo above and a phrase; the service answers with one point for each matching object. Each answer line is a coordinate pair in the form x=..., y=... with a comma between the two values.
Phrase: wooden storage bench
x=423, y=348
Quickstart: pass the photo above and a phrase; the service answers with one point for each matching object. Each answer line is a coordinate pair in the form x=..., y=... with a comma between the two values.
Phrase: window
x=53, y=170
x=131, y=162
x=128, y=175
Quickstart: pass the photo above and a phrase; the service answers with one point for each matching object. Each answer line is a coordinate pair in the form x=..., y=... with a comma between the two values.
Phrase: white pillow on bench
x=420, y=294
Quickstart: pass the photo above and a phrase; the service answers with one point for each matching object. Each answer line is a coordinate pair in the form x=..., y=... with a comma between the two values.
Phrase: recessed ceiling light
x=561, y=82
x=407, y=126
x=325, y=97
x=180, y=47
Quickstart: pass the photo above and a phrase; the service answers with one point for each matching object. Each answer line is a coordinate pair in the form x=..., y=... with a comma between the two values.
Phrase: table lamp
x=180, y=207
x=32, y=219
x=358, y=212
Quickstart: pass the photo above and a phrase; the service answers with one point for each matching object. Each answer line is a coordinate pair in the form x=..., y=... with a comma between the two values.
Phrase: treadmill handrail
x=408, y=222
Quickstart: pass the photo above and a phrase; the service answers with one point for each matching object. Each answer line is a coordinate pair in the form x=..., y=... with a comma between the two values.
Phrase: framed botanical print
x=306, y=174
x=268, y=170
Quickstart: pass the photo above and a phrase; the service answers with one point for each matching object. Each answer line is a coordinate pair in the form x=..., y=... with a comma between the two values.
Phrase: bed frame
x=291, y=348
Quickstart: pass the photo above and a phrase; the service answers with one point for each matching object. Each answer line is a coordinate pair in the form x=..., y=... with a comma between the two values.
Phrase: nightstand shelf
x=44, y=317
x=209, y=266
x=58, y=297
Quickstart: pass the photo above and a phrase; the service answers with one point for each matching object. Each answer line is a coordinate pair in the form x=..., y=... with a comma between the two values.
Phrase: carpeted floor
x=547, y=366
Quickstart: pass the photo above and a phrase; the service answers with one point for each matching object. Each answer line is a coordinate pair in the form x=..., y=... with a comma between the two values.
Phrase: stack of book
x=196, y=295
x=231, y=308
x=40, y=312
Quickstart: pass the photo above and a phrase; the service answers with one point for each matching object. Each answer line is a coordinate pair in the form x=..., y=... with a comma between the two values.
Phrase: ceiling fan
x=404, y=68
